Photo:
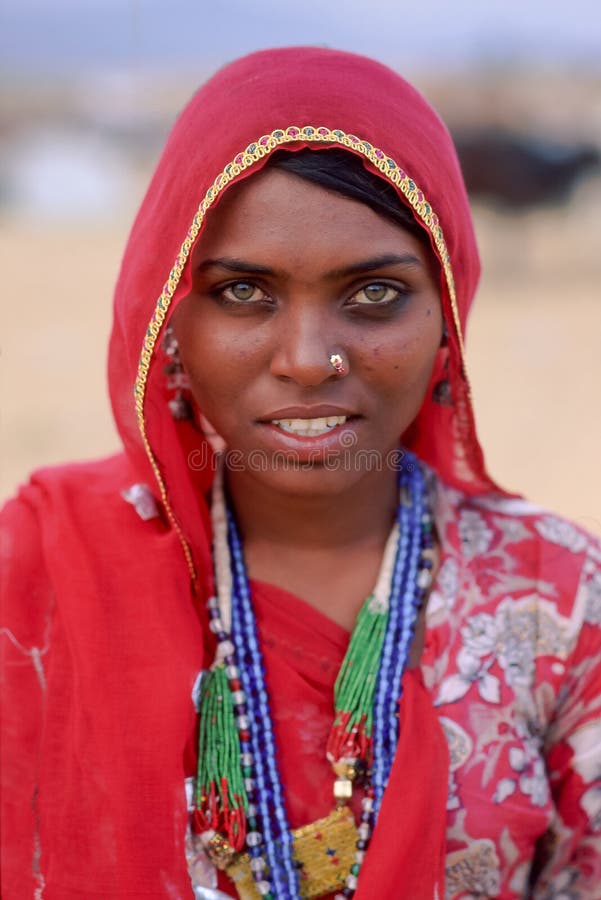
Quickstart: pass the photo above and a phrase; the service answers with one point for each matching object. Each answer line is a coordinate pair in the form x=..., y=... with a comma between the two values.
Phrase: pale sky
x=70, y=35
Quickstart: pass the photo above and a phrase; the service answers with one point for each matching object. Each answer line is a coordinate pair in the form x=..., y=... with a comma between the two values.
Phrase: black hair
x=343, y=172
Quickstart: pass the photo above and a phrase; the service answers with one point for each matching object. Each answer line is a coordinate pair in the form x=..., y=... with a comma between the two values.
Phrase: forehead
x=273, y=212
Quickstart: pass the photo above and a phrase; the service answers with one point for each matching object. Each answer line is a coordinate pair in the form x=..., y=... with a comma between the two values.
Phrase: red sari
x=103, y=623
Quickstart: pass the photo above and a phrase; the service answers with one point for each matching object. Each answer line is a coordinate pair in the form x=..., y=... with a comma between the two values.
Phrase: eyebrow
x=232, y=264
x=376, y=262
x=235, y=265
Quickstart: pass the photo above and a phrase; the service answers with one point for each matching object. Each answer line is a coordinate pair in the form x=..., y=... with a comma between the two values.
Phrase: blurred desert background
x=78, y=142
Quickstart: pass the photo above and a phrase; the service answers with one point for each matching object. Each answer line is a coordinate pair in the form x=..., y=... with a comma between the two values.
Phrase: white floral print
x=448, y=578
x=559, y=531
x=472, y=671
x=474, y=533
x=593, y=599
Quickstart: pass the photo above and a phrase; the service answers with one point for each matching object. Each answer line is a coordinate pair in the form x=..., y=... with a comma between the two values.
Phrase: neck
x=334, y=521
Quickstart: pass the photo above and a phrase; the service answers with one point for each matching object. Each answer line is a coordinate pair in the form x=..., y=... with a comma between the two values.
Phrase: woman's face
x=284, y=275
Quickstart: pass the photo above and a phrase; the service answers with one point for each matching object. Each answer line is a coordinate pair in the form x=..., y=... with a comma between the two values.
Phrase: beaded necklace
x=239, y=796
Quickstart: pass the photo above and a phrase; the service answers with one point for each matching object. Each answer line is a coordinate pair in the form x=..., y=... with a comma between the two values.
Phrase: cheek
x=215, y=386
x=220, y=362
x=197, y=334
x=402, y=362
x=217, y=374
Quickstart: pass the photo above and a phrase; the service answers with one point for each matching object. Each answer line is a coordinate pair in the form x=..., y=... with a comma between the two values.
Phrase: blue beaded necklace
x=250, y=802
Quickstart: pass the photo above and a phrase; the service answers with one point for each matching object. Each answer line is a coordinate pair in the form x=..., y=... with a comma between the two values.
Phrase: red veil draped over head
x=293, y=98
x=105, y=606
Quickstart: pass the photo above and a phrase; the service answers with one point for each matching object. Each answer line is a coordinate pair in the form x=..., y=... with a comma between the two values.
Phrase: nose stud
x=337, y=363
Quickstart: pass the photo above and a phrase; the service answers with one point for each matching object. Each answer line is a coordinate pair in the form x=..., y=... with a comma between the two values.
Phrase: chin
x=320, y=478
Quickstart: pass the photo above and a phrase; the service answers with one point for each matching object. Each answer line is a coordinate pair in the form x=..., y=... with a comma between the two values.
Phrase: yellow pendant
x=324, y=852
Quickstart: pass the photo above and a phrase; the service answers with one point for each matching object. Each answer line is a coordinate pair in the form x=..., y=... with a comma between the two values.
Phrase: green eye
x=376, y=293
x=242, y=292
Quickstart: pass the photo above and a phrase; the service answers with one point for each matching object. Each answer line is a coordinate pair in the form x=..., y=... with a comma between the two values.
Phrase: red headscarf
x=290, y=98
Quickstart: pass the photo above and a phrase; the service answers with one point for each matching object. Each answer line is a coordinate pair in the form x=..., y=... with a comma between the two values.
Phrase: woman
x=299, y=277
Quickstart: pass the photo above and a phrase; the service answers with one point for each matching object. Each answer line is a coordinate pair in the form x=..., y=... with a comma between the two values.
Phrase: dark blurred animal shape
x=519, y=171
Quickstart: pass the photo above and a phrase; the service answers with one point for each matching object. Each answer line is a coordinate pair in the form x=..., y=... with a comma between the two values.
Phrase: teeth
x=309, y=427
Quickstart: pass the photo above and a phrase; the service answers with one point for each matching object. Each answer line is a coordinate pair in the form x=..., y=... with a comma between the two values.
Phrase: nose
x=305, y=343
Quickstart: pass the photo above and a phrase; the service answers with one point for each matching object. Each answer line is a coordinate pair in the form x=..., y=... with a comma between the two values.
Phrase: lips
x=318, y=411
x=309, y=421
x=309, y=434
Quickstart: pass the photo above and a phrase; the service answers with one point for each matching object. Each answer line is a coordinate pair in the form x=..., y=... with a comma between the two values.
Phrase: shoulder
x=515, y=514
x=65, y=514
x=80, y=540
x=72, y=483
x=95, y=491
x=563, y=555
x=518, y=552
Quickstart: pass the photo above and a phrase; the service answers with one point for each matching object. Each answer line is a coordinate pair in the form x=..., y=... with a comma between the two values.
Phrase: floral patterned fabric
x=513, y=662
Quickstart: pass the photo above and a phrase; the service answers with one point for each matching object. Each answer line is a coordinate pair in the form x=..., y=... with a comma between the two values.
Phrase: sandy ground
x=533, y=350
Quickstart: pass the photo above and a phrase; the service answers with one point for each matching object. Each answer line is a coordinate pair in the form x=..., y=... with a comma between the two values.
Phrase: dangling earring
x=441, y=392
x=177, y=379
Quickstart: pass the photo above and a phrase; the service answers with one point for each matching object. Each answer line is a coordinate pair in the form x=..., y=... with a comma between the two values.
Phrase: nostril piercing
x=337, y=363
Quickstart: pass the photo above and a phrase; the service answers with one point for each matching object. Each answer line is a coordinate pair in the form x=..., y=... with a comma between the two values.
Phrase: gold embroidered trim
x=244, y=160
